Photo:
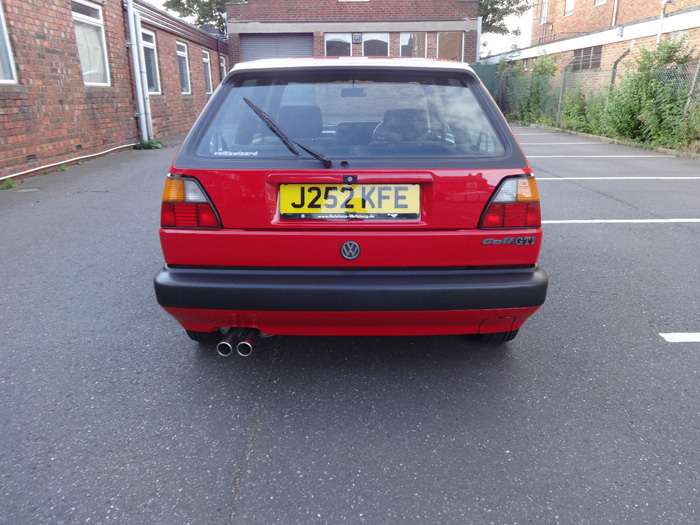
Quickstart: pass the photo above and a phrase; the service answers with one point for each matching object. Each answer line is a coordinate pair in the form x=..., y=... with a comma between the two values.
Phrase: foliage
x=149, y=144
x=9, y=183
x=204, y=11
x=63, y=167
x=493, y=13
x=531, y=96
x=648, y=106
x=583, y=112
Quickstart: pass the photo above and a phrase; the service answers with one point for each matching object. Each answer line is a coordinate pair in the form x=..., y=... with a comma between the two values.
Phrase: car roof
x=269, y=64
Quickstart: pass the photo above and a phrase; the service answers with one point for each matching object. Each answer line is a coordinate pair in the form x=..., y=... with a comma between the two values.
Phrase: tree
x=204, y=11
x=493, y=13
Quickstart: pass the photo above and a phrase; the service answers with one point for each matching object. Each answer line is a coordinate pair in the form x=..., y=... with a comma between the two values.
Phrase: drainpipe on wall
x=135, y=62
x=614, y=18
x=664, y=3
x=478, y=38
x=144, y=75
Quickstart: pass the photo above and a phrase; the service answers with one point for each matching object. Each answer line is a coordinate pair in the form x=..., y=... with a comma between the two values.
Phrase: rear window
x=350, y=115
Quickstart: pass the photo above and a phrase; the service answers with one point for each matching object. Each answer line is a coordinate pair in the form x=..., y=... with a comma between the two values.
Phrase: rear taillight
x=186, y=206
x=516, y=205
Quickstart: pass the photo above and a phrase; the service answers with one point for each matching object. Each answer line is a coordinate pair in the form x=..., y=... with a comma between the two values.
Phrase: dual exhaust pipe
x=242, y=339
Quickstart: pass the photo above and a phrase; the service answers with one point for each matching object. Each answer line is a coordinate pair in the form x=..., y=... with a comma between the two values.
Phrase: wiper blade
x=273, y=127
x=327, y=163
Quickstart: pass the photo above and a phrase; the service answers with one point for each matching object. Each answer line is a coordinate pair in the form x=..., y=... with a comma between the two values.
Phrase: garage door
x=254, y=47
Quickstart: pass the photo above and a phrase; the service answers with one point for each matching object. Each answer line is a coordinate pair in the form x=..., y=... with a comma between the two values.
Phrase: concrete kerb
x=638, y=145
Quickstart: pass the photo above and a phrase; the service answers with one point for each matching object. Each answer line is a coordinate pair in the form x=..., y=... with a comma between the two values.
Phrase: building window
x=7, y=65
x=587, y=58
x=184, y=67
x=148, y=39
x=568, y=7
x=207, y=71
x=375, y=44
x=545, y=12
x=90, y=36
x=450, y=46
x=222, y=67
x=338, y=44
x=413, y=45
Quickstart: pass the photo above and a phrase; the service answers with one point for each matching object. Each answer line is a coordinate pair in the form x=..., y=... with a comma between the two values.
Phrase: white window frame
x=365, y=38
x=337, y=36
x=544, y=16
x=185, y=55
x=461, y=47
x=8, y=50
x=569, y=7
x=222, y=67
x=408, y=33
x=599, y=2
x=153, y=46
x=97, y=23
x=206, y=59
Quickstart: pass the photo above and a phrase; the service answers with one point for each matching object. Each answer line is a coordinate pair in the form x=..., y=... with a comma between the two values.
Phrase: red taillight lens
x=516, y=205
x=185, y=206
x=206, y=218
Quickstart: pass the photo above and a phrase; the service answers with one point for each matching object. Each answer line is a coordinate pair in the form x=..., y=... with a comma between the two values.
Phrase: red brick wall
x=51, y=116
x=336, y=11
x=588, y=17
x=172, y=112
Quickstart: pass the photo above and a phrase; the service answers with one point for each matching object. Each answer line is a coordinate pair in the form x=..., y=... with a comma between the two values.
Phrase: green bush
x=649, y=105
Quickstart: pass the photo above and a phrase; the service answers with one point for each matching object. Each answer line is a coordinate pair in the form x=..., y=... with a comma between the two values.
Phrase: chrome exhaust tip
x=225, y=346
x=246, y=342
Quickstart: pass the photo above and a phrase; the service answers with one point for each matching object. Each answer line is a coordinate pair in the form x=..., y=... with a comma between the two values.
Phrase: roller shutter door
x=254, y=47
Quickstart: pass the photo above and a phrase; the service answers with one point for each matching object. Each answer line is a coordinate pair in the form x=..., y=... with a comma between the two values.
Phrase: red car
x=358, y=196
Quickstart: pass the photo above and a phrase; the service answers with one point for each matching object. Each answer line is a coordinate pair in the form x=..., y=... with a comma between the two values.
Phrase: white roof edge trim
x=268, y=64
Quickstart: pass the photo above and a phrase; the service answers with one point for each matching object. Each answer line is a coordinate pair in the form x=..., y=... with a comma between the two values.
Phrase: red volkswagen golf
x=358, y=196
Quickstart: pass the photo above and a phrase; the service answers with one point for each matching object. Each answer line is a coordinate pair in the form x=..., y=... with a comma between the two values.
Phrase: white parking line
x=617, y=178
x=621, y=221
x=596, y=156
x=682, y=337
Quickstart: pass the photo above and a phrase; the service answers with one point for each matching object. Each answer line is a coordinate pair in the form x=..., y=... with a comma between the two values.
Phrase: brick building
x=68, y=88
x=603, y=34
x=446, y=29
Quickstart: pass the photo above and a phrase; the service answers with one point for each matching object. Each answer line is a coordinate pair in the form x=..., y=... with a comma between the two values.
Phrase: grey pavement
x=109, y=413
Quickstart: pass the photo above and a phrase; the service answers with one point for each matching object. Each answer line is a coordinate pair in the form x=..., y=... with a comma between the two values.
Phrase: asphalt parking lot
x=591, y=415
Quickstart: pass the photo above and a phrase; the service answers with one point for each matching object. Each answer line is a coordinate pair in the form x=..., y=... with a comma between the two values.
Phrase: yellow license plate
x=350, y=201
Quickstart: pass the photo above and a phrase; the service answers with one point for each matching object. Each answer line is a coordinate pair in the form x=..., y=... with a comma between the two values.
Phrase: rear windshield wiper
x=327, y=163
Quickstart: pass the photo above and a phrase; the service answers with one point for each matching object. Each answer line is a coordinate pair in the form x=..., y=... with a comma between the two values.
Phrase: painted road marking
x=621, y=221
x=617, y=178
x=565, y=143
x=682, y=337
x=596, y=156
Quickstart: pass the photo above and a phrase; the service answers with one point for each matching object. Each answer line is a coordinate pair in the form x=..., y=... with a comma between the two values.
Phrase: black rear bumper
x=350, y=290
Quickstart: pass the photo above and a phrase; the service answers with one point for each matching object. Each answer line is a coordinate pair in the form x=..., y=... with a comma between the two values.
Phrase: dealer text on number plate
x=350, y=201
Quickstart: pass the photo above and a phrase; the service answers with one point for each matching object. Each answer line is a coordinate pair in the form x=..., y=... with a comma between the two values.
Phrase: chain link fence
x=543, y=99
